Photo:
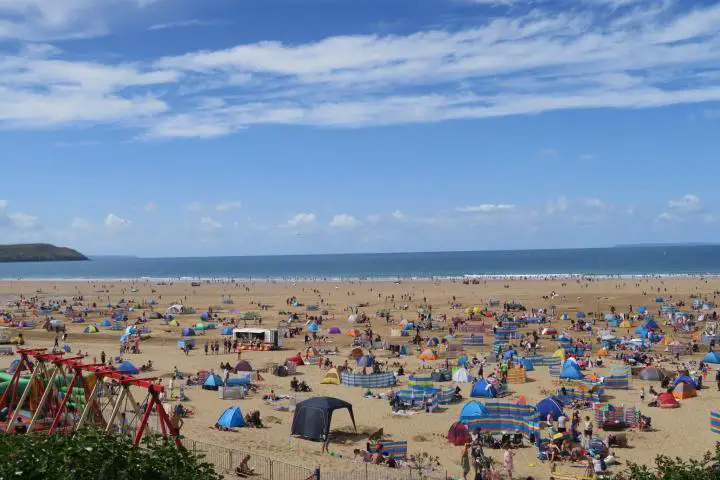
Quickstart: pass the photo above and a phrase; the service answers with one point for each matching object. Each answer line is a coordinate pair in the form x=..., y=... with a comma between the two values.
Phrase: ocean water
x=626, y=261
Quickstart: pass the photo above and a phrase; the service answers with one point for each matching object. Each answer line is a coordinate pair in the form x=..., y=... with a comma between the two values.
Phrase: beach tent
x=334, y=330
x=651, y=373
x=650, y=324
x=281, y=371
x=483, y=388
x=552, y=405
x=213, y=382
x=128, y=367
x=571, y=372
x=527, y=364
x=173, y=323
x=458, y=434
x=580, y=315
x=90, y=329
x=428, y=355
x=625, y=324
x=462, y=360
x=712, y=357
x=200, y=326
x=297, y=360
x=227, y=331
x=460, y=375
x=231, y=418
x=356, y=353
x=106, y=323
x=131, y=330
x=188, y=332
x=205, y=316
x=642, y=310
x=331, y=377
x=684, y=379
x=549, y=331
x=666, y=400
x=313, y=327
x=472, y=410
x=659, y=300
x=684, y=390
x=565, y=316
x=560, y=353
x=243, y=366
x=312, y=417
x=175, y=309
x=353, y=332
x=602, y=352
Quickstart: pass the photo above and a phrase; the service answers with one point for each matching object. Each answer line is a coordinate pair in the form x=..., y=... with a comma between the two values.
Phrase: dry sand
x=684, y=431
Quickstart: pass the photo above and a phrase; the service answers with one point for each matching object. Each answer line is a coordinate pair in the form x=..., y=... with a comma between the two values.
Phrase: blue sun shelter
x=552, y=405
x=712, y=357
x=227, y=331
x=128, y=367
x=313, y=327
x=232, y=418
x=106, y=323
x=213, y=382
x=483, y=388
x=188, y=332
x=472, y=410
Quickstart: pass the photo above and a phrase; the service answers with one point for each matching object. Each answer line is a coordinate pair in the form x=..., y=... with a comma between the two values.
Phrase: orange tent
x=353, y=332
x=428, y=355
x=602, y=352
x=684, y=390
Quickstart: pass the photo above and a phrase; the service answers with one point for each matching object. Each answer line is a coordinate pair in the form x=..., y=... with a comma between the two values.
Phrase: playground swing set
x=62, y=394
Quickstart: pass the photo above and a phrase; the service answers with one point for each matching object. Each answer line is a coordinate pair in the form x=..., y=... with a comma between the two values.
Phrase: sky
x=245, y=127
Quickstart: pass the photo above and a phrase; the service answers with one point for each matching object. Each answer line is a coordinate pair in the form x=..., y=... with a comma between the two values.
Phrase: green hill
x=38, y=252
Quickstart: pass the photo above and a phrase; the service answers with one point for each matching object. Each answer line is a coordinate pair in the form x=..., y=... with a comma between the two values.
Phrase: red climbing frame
x=75, y=366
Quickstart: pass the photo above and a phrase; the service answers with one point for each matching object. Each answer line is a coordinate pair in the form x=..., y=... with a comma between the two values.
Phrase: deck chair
x=580, y=474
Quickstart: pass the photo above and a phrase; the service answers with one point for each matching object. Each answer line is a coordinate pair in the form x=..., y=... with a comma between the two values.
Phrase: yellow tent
x=602, y=352
x=625, y=324
x=667, y=340
x=477, y=309
x=560, y=352
x=331, y=377
x=173, y=323
x=468, y=311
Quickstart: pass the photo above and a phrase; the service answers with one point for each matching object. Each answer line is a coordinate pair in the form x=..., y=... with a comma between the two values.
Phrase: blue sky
x=237, y=127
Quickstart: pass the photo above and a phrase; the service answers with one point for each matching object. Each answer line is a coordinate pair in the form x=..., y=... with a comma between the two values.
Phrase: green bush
x=666, y=468
x=91, y=454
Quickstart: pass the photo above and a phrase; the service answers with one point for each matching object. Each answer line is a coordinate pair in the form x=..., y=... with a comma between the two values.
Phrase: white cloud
x=398, y=215
x=667, y=217
x=344, y=221
x=79, y=223
x=560, y=205
x=688, y=203
x=486, y=208
x=181, y=24
x=594, y=203
x=301, y=220
x=42, y=19
x=228, y=206
x=150, y=207
x=113, y=221
x=194, y=206
x=18, y=221
x=208, y=224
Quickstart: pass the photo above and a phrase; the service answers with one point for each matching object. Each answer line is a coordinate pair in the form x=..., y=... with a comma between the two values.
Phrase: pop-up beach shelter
x=572, y=372
x=527, y=364
x=472, y=410
x=483, y=388
x=459, y=434
x=313, y=416
x=334, y=330
x=551, y=405
x=188, y=332
x=243, y=366
x=313, y=327
x=232, y=418
x=106, y=323
x=213, y=382
x=712, y=357
x=460, y=375
x=128, y=367
x=651, y=373
x=227, y=331
x=90, y=329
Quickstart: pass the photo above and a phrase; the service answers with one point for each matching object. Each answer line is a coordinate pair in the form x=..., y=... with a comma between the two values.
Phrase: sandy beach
x=684, y=431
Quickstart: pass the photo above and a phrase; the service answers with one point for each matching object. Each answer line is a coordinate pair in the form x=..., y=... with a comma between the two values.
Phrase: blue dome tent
x=642, y=331
x=580, y=315
x=472, y=410
x=227, y=331
x=572, y=372
x=551, y=405
x=483, y=388
x=509, y=355
x=205, y=316
x=642, y=309
x=313, y=327
x=462, y=360
x=685, y=379
x=712, y=357
x=188, y=332
x=106, y=323
x=231, y=418
x=365, y=361
x=128, y=367
x=213, y=382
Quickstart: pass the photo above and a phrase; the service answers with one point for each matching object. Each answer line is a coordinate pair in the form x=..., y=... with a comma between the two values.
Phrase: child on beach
x=642, y=395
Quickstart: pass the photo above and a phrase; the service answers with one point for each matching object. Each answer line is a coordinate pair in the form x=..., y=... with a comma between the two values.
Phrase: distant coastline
x=38, y=252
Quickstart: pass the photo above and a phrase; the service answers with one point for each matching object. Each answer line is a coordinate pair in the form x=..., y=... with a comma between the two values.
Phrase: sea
x=634, y=261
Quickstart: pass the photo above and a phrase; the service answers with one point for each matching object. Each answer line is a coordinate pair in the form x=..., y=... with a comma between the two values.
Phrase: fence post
x=271, y=469
x=366, y=471
x=317, y=473
x=230, y=459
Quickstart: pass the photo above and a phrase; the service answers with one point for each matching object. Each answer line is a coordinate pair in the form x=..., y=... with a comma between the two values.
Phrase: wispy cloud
x=228, y=206
x=182, y=24
x=301, y=220
x=209, y=224
x=113, y=221
x=344, y=221
x=486, y=208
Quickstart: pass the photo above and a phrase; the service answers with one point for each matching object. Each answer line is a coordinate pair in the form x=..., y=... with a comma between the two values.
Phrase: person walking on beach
x=206, y=348
x=508, y=462
x=465, y=461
